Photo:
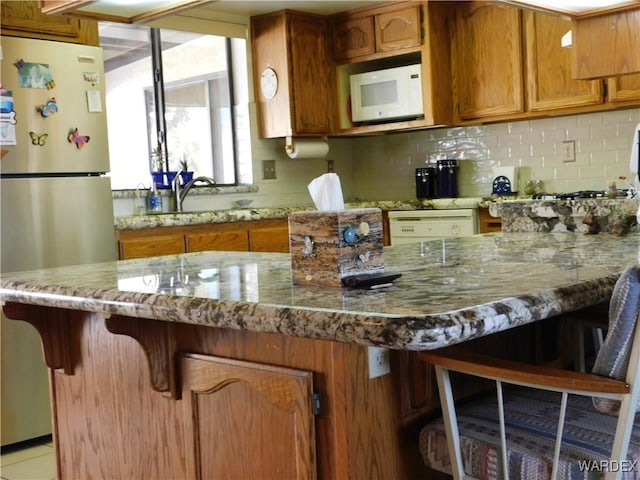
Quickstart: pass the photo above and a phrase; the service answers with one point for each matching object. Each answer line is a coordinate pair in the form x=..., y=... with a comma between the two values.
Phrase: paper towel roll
x=307, y=148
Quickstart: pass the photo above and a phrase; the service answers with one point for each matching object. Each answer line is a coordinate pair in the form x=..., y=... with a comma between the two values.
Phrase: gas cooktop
x=575, y=195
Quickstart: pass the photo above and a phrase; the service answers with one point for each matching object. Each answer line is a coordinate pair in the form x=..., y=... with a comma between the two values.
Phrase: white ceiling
x=257, y=7
x=244, y=8
x=133, y=8
x=574, y=8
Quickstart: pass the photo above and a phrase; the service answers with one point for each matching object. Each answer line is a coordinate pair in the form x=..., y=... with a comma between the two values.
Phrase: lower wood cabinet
x=269, y=239
x=150, y=246
x=263, y=411
x=234, y=240
x=487, y=222
x=271, y=235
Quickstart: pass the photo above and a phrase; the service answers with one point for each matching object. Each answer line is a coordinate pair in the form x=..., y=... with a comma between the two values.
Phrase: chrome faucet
x=179, y=193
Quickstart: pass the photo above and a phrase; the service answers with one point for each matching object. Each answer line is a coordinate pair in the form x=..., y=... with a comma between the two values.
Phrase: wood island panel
x=107, y=402
x=117, y=415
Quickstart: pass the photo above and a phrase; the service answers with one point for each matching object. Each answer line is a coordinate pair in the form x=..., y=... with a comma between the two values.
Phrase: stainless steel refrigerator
x=56, y=201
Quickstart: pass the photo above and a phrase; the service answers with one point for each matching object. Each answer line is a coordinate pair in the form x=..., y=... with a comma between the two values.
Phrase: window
x=187, y=112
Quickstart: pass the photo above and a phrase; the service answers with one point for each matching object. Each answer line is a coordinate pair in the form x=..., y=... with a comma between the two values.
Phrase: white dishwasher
x=410, y=226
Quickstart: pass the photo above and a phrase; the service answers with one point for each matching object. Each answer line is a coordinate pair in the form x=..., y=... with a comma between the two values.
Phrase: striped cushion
x=531, y=421
x=613, y=357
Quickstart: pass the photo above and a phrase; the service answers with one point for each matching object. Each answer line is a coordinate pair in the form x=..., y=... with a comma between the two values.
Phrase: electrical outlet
x=569, y=151
x=269, y=170
x=378, y=362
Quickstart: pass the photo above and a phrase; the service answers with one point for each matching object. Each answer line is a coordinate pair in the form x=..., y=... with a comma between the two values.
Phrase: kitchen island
x=214, y=365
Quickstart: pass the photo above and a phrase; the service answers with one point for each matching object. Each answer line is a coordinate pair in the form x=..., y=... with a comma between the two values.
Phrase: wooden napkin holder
x=327, y=246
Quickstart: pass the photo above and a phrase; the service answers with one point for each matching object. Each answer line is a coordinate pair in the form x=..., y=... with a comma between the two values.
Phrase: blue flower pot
x=186, y=177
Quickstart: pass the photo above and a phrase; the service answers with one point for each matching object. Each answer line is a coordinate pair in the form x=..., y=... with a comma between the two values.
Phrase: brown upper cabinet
x=291, y=74
x=24, y=19
x=391, y=35
x=524, y=72
x=365, y=32
x=624, y=89
x=550, y=82
x=352, y=37
x=606, y=45
x=487, y=61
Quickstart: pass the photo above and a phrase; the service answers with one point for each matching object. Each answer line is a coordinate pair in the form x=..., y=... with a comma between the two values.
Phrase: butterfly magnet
x=79, y=140
x=38, y=139
x=48, y=108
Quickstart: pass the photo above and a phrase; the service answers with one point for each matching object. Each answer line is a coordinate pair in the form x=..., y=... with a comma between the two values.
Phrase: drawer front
x=434, y=229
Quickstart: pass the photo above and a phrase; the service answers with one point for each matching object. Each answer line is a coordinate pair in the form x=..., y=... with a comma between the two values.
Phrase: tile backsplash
x=384, y=167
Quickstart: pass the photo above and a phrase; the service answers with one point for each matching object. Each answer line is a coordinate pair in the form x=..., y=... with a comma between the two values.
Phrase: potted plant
x=186, y=174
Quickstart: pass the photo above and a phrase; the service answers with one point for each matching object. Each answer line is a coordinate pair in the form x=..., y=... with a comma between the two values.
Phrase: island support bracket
x=158, y=346
x=58, y=330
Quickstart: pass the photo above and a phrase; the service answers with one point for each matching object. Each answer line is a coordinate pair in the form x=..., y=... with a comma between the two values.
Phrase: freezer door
x=51, y=222
x=34, y=135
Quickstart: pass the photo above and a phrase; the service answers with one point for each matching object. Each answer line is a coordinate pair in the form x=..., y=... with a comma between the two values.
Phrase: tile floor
x=35, y=461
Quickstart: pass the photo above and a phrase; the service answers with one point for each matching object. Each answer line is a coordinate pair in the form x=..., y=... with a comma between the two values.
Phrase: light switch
x=94, y=102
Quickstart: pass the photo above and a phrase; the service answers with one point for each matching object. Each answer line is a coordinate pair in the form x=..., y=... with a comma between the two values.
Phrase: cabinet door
x=398, y=29
x=623, y=89
x=233, y=241
x=487, y=63
x=352, y=37
x=550, y=83
x=310, y=75
x=487, y=223
x=151, y=246
x=606, y=45
x=247, y=420
x=270, y=239
x=24, y=19
x=294, y=45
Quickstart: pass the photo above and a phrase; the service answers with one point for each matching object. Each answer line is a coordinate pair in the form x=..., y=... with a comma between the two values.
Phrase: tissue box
x=326, y=246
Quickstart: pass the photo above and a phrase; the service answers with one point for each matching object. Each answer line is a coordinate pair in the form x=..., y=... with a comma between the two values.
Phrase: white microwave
x=393, y=93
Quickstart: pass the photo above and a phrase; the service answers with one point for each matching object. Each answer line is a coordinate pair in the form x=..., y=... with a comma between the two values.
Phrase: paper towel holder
x=307, y=147
x=288, y=143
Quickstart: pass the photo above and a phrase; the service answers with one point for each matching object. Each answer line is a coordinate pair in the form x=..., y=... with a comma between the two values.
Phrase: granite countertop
x=245, y=214
x=616, y=216
x=451, y=290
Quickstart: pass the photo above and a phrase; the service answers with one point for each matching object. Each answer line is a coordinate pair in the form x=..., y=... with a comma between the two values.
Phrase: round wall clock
x=269, y=83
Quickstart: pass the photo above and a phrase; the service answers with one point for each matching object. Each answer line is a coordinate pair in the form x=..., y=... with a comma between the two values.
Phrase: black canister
x=426, y=182
x=448, y=178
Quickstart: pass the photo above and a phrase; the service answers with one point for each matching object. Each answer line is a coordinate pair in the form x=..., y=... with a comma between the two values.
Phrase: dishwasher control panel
x=410, y=226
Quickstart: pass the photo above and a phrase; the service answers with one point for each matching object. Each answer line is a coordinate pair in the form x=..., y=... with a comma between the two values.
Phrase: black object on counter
x=426, y=182
x=448, y=178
